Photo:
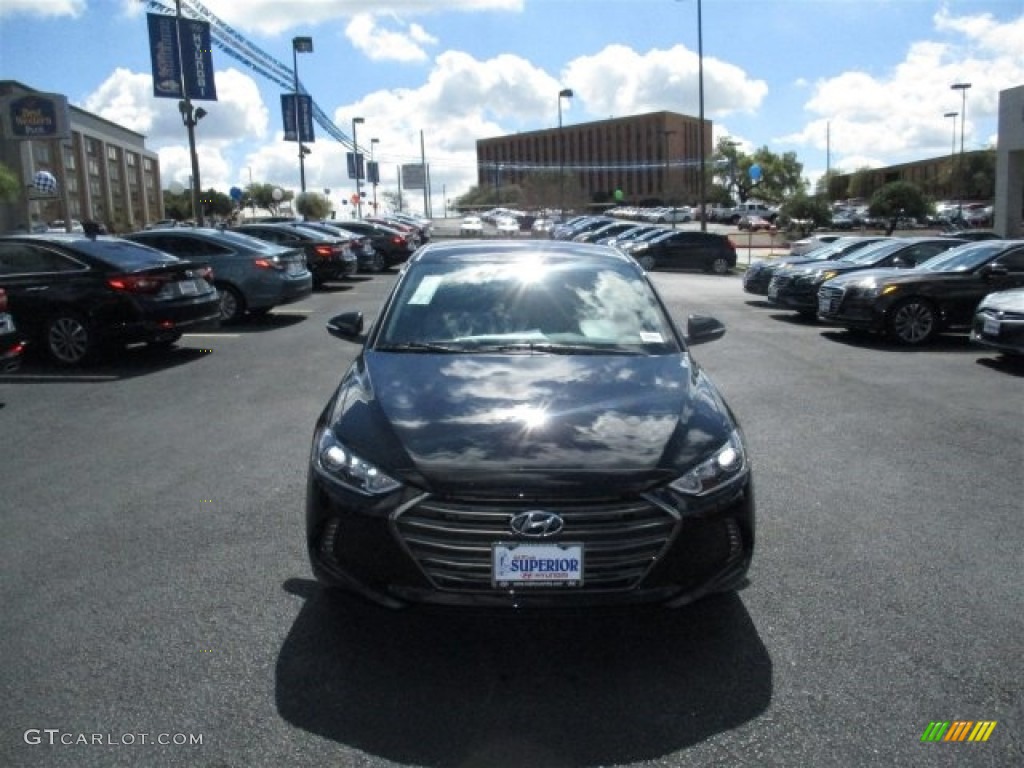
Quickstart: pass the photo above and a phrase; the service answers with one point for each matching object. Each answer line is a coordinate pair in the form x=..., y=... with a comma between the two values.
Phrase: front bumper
x=413, y=547
x=851, y=309
x=800, y=294
x=1001, y=331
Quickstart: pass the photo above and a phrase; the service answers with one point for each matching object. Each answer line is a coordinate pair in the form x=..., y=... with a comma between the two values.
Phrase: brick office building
x=649, y=158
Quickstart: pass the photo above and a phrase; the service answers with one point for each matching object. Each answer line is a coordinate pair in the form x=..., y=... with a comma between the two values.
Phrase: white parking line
x=210, y=335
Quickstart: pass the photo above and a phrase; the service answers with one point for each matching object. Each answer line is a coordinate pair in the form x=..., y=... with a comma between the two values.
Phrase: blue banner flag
x=305, y=117
x=195, y=52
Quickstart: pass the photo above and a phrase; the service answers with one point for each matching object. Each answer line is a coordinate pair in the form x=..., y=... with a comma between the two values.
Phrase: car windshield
x=562, y=307
x=874, y=253
x=963, y=258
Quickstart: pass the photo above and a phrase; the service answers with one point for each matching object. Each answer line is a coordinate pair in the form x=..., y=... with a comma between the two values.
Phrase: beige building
x=1009, y=206
x=647, y=158
x=104, y=173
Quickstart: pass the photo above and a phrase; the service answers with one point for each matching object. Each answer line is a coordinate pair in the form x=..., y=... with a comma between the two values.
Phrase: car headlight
x=726, y=466
x=827, y=274
x=338, y=463
x=872, y=289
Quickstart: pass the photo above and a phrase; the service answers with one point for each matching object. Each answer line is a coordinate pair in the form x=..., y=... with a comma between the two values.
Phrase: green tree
x=10, y=186
x=177, y=206
x=780, y=175
x=263, y=196
x=805, y=213
x=312, y=206
x=832, y=185
x=980, y=174
x=896, y=200
x=216, y=204
x=861, y=183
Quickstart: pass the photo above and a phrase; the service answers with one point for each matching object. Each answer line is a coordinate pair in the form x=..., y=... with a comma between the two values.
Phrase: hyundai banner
x=196, y=53
x=305, y=117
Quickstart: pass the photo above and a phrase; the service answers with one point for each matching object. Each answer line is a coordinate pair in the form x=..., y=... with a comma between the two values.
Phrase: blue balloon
x=755, y=172
x=236, y=193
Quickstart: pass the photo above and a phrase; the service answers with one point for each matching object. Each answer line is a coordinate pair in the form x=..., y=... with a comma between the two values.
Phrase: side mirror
x=994, y=270
x=701, y=329
x=347, y=325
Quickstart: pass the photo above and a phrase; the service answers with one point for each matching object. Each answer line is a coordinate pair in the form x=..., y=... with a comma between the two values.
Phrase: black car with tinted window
x=328, y=257
x=797, y=288
x=911, y=306
x=526, y=426
x=685, y=249
x=73, y=294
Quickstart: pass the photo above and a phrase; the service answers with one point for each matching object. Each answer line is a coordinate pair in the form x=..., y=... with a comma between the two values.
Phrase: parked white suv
x=753, y=209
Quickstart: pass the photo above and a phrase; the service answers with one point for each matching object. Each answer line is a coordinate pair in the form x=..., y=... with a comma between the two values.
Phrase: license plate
x=991, y=327
x=296, y=268
x=823, y=306
x=188, y=288
x=6, y=323
x=537, y=565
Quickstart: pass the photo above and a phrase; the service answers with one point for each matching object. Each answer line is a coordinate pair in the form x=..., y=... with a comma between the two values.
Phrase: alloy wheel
x=68, y=339
x=913, y=322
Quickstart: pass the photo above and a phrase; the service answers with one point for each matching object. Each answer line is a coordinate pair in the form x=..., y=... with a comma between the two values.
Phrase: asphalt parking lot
x=155, y=582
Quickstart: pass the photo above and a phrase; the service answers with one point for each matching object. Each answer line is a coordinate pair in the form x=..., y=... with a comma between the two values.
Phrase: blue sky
x=869, y=80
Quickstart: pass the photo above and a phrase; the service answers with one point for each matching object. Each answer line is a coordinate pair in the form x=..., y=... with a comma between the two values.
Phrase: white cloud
x=367, y=34
x=619, y=81
x=44, y=8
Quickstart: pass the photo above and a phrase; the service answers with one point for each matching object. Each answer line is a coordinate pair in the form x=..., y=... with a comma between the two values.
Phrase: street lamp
x=952, y=149
x=962, y=87
x=300, y=45
x=355, y=163
x=700, y=127
x=565, y=93
x=373, y=175
x=190, y=116
x=665, y=184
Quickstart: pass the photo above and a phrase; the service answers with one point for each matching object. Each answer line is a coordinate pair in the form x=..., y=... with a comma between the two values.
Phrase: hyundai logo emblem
x=537, y=523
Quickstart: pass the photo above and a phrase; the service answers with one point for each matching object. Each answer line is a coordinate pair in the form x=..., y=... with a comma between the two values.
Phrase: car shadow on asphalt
x=953, y=343
x=273, y=321
x=445, y=687
x=1009, y=364
x=111, y=365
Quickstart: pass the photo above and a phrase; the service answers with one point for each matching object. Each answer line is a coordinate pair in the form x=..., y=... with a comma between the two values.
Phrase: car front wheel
x=913, y=321
x=69, y=341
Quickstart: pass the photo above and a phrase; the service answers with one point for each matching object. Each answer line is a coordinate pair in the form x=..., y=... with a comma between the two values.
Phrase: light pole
x=952, y=150
x=962, y=87
x=355, y=163
x=665, y=184
x=373, y=175
x=700, y=128
x=252, y=198
x=189, y=117
x=565, y=93
x=300, y=45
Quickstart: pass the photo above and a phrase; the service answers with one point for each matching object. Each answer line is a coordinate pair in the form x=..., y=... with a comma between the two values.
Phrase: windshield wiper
x=556, y=348
x=420, y=346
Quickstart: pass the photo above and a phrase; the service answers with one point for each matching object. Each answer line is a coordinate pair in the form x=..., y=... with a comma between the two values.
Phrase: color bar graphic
x=958, y=730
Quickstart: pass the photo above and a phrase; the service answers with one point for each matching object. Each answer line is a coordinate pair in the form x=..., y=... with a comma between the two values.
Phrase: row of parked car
x=74, y=294
x=907, y=288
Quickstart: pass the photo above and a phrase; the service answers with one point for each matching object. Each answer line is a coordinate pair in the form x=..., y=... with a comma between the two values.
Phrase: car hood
x=892, y=275
x=597, y=424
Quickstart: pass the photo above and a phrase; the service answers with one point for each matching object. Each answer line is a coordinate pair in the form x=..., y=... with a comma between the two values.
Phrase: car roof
x=449, y=251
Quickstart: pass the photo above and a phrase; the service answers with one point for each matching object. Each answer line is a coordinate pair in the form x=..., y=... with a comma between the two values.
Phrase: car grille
x=779, y=282
x=829, y=299
x=452, y=541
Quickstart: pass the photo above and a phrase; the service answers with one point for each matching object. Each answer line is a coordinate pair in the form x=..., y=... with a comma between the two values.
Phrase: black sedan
x=798, y=288
x=758, y=275
x=525, y=426
x=394, y=245
x=368, y=257
x=685, y=249
x=328, y=257
x=999, y=322
x=12, y=345
x=939, y=295
x=74, y=294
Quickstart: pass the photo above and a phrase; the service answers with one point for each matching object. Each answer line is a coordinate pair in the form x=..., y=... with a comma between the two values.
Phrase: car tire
x=376, y=263
x=719, y=265
x=647, y=262
x=69, y=338
x=232, y=305
x=913, y=321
